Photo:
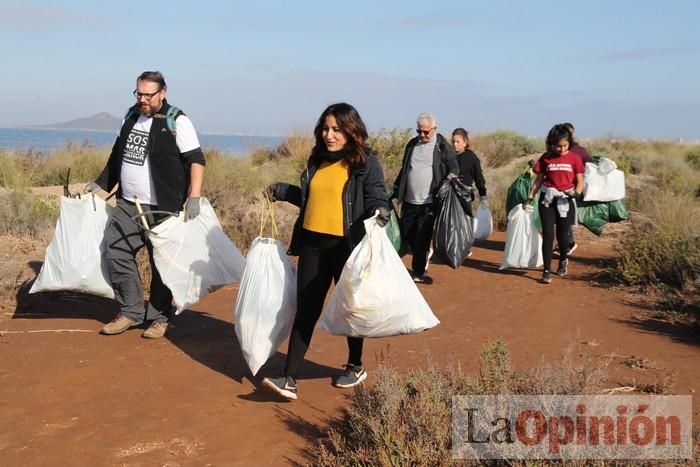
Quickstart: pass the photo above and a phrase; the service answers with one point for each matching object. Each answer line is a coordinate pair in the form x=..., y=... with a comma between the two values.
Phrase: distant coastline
x=42, y=139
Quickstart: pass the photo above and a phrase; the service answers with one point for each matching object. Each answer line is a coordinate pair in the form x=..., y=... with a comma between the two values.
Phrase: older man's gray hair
x=428, y=118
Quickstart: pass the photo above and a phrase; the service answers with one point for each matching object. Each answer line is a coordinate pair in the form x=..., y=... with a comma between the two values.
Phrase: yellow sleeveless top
x=324, y=208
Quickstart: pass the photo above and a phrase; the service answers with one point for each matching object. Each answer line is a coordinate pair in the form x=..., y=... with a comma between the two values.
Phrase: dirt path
x=79, y=398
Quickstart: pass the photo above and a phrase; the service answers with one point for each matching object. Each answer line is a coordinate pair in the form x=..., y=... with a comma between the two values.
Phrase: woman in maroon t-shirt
x=560, y=180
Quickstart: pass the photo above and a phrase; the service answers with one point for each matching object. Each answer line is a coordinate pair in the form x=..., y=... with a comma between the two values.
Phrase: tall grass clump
x=23, y=214
x=389, y=146
x=406, y=419
x=499, y=148
x=32, y=169
x=662, y=245
x=234, y=187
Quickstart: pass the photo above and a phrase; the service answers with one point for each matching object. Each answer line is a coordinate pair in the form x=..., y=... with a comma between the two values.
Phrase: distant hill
x=102, y=121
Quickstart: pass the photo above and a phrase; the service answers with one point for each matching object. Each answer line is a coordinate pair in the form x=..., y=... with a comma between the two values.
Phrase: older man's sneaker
x=155, y=330
x=120, y=324
x=353, y=376
x=285, y=386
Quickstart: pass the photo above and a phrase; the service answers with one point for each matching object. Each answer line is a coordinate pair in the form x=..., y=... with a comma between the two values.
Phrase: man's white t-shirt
x=135, y=178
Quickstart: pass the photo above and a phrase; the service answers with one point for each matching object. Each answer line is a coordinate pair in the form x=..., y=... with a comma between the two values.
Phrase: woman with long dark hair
x=560, y=181
x=342, y=185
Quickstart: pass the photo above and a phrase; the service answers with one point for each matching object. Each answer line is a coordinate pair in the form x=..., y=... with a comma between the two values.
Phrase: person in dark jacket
x=469, y=165
x=581, y=152
x=342, y=186
x=428, y=160
x=157, y=162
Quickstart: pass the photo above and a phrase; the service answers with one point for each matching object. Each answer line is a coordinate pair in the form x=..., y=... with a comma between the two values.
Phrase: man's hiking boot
x=546, y=278
x=353, y=376
x=156, y=330
x=120, y=324
x=563, y=268
x=285, y=386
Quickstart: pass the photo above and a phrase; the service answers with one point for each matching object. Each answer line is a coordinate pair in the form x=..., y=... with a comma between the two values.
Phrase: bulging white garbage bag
x=483, y=222
x=195, y=257
x=266, y=303
x=375, y=295
x=75, y=257
x=523, y=240
x=603, y=181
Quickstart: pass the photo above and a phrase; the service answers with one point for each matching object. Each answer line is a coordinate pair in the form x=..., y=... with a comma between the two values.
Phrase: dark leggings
x=321, y=259
x=550, y=218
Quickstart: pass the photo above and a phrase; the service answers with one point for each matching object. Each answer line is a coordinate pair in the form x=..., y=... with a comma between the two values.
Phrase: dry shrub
x=406, y=420
x=25, y=214
x=389, y=146
x=499, y=148
x=30, y=168
x=662, y=245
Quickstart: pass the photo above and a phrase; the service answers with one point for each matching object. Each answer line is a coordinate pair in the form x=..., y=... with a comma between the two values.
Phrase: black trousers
x=550, y=219
x=321, y=259
x=418, y=222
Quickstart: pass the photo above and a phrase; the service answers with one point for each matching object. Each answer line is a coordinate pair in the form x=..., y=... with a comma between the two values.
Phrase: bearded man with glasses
x=428, y=160
x=157, y=162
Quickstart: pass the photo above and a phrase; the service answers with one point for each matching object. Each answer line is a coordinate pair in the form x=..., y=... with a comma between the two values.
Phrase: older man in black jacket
x=428, y=160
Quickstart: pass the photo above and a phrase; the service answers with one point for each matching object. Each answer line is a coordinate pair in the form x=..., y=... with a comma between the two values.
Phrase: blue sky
x=621, y=67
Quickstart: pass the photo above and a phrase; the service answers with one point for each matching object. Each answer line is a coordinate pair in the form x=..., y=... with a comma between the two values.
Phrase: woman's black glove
x=277, y=191
x=383, y=216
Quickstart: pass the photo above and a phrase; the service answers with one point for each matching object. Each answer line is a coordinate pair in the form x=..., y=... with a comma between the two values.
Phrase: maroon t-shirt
x=559, y=171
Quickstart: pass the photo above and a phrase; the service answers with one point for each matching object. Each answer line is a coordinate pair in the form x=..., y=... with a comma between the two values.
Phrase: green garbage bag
x=617, y=211
x=393, y=228
x=519, y=189
x=593, y=215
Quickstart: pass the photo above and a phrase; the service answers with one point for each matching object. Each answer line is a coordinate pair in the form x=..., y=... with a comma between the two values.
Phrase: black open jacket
x=444, y=162
x=363, y=194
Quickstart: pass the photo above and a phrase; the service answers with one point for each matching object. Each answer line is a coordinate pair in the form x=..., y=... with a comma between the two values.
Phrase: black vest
x=169, y=167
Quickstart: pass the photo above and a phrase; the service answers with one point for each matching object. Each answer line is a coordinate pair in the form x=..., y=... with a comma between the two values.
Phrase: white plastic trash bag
x=375, y=296
x=523, y=240
x=603, y=182
x=75, y=257
x=483, y=222
x=266, y=303
x=195, y=257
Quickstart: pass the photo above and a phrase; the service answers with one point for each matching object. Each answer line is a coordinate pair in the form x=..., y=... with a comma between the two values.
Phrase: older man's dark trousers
x=124, y=238
x=418, y=222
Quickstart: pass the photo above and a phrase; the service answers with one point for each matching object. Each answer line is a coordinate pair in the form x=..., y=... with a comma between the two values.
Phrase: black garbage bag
x=453, y=236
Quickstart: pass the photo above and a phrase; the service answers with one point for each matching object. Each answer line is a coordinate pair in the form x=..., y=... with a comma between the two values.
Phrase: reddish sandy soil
x=80, y=398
